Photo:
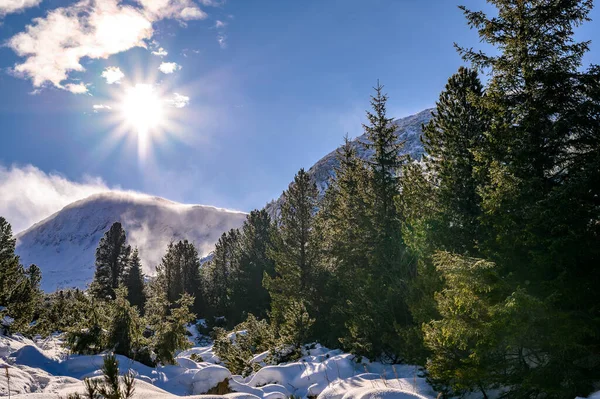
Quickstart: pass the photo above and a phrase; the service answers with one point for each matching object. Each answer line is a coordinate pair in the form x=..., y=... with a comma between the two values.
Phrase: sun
x=143, y=111
x=142, y=107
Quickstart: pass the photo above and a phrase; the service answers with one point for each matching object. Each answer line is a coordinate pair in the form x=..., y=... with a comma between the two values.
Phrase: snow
x=44, y=369
x=408, y=130
x=64, y=245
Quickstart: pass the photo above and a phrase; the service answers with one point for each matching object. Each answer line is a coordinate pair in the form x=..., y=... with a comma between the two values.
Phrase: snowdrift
x=43, y=369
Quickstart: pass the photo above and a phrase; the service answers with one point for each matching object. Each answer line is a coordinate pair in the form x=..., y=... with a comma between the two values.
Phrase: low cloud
x=169, y=67
x=161, y=52
x=178, y=100
x=113, y=75
x=76, y=88
x=53, y=46
x=30, y=195
x=14, y=6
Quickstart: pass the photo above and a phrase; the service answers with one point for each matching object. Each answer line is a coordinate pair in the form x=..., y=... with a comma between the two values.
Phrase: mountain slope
x=408, y=130
x=64, y=244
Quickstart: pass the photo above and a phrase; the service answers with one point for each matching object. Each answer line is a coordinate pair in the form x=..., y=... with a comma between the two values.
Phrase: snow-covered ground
x=43, y=369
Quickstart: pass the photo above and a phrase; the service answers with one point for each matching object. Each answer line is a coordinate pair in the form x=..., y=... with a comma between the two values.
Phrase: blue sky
x=268, y=87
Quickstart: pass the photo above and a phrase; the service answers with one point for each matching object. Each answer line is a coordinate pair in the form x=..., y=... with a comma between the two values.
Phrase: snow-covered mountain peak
x=64, y=244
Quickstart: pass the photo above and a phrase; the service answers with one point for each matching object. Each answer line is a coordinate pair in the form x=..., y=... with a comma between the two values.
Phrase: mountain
x=408, y=130
x=64, y=244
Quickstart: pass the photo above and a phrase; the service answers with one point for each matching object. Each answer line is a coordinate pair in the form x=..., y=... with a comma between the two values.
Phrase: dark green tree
x=19, y=286
x=112, y=258
x=296, y=253
x=219, y=275
x=249, y=296
x=179, y=272
x=134, y=282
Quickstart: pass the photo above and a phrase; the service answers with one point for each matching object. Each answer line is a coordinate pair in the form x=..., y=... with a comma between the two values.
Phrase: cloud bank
x=12, y=6
x=30, y=195
x=53, y=46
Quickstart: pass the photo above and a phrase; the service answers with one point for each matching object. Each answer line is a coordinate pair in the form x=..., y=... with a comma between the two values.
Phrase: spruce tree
x=179, y=271
x=344, y=221
x=379, y=320
x=249, y=296
x=219, y=274
x=134, y=282
x=539, y=195
x=112, y=258
x=451, y=139
x=296, y=253
x=19, y=286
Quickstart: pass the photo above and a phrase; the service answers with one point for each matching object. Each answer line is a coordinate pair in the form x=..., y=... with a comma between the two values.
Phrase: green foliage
x=179, y=272
x=218, y=276
x=168, y=324
x=134, y=282
x=112, y=259
x=126, y=327
x=296, y=252
x=236, y=349
x=111, y=386
x=19, y=286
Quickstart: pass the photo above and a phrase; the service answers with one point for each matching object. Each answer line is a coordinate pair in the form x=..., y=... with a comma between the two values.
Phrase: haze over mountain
x=64, y=244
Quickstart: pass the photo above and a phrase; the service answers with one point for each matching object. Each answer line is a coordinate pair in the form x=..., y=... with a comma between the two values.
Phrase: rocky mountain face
x=408, y=130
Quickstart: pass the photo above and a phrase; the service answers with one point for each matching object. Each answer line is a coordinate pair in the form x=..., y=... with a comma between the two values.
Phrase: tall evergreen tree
x=19, y=286
x=112, y=257
x=134, y=282
x=379, y=320
x=296, y=253
x=179, y=272
x=344, y=221
x=218, y=276
x=540, y=195
x=249, y=296
x=442, y=197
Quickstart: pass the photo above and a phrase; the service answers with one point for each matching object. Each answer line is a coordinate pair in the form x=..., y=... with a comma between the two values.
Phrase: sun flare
x=143, y=109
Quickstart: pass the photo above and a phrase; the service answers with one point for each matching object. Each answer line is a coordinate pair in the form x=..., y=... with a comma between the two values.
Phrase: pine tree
x=168, y=322
x=296, y=252
x=218, y=276
x=442, y=197
x=539, y=197
x=344, y=221
x=134, y=282
x=19, y=287
x=112, y=257
x=179, y=272
x=379, y=320
x=249, y=296
x=126, y=327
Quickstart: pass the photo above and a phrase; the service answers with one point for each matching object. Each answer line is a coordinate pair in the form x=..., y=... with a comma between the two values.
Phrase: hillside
x=64, y=244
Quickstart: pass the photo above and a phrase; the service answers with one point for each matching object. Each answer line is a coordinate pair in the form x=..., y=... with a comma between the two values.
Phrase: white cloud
x=113, y=75
x=53, y=46
x=161, y=52
x=169, y=67
x=12, y=6
x=178, y=100
x=76, y=88
x=101, y=107
x=30, y=195
x=222, y=39
x=220, y=24
x=177, y=9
